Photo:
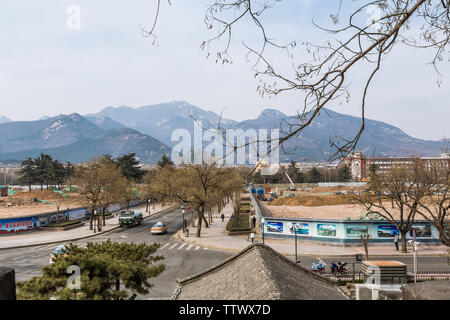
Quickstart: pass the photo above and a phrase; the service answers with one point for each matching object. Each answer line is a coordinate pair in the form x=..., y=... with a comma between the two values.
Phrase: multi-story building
x=360, y=165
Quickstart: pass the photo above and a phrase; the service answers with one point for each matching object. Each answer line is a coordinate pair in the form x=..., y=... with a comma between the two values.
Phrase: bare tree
x=436, y=206
x=355, y=43
x=401, y=186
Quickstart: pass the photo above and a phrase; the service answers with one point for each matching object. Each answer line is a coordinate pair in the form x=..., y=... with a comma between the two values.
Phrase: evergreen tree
x=130, y=167
x=314, y=175
x=344, y=174
x=165, y=161
x=27, y=172
x=108, y=270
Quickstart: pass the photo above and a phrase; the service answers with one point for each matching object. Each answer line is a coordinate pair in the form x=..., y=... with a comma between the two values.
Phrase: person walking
x=396, y=241
x=222, y=216
x=253, y=222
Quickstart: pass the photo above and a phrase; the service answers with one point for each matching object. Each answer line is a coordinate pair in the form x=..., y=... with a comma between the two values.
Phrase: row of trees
x=202, y=187
x=44, y=170
x=314, y=175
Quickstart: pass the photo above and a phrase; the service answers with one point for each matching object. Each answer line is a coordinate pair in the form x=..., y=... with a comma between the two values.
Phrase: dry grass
x=312, y=201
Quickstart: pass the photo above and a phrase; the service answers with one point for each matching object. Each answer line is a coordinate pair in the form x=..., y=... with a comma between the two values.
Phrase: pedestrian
x=396, y=241
x=222, y=216
x=253, y=222
x=133, y=297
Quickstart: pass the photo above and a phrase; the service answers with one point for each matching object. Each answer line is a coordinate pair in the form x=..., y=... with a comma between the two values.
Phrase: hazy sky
x=47, y=68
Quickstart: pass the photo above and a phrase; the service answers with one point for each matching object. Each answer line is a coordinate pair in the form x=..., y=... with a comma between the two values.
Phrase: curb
x=409, y=254
x=78, y=238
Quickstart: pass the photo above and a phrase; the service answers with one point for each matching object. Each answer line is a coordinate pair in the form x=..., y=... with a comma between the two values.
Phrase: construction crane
x=292, y=186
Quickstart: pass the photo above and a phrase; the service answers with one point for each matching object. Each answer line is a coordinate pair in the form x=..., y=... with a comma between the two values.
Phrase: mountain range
x=147, y=132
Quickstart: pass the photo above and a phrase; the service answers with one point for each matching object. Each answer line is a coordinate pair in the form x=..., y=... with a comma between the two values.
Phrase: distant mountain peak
x=4, y=119
x=271, y=113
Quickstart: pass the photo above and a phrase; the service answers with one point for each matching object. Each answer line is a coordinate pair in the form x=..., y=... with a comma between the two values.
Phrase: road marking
x=189, y=248
x=123, y=236
x=164, y=246
x=205, y=248
x=182, y=246
x=174, y=245
x=197, y=248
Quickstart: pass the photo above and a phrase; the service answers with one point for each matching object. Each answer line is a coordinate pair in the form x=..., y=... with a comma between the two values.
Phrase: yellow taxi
x=58, y=251
x=159, y=228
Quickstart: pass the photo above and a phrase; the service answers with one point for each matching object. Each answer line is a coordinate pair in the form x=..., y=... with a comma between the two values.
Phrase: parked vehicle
x=318, y=267
x=339, y=267
x=130, y=218
x=159, y=228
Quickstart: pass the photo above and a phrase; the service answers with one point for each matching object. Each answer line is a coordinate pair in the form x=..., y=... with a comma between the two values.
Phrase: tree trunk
x=103, y=216
x=206, y=222
x=404, y=247
x=365, y=243
x=29, y=186
x=91, y=219
x=199, y=225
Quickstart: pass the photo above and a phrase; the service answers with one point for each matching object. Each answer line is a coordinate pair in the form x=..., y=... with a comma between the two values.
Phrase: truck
x=130, y=218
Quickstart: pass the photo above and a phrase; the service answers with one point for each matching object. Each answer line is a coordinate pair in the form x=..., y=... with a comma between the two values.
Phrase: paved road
x=181, y=259
x=425, y=263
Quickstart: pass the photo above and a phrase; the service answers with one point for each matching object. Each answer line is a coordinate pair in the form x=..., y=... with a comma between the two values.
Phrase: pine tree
x=165, y=161
x=27, y=172
x=108, y=270
x=130, y=167
x=344, y=174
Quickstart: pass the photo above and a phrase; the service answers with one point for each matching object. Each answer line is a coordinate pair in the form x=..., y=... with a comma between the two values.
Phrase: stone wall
x=7, y=284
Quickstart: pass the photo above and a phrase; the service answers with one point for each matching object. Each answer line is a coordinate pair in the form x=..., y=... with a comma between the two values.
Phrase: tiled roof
x=257, y=273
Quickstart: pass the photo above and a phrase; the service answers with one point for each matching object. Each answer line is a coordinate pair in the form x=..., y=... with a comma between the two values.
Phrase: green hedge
x=245, y=199
x=62, y=224
x=242, y=224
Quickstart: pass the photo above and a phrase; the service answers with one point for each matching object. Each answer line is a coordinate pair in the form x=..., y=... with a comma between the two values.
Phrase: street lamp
x=414, y=245
x=184, y=220
x=263, y=221
x=148, y=206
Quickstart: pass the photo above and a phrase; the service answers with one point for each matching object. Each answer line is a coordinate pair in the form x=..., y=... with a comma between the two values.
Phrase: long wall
x=341, y=232
x=33, y=222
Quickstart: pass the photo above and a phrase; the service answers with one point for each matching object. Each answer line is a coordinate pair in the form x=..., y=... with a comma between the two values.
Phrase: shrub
x=62, y=224
x=241, y=224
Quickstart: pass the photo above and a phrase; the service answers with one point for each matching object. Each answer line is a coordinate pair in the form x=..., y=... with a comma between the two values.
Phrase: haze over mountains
x=147, y=132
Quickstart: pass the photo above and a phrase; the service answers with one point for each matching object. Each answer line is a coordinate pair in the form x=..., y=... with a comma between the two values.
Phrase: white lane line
x=197, y=248
x=164, y=246
x=182, y=246
x=189, y=248
x=205, y=248
x=174, y=245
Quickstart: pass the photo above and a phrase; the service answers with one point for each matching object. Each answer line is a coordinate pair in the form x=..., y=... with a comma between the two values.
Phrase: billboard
x=302, y=228
x=19, y=224
x=356, y=230
x=327, y=230
x=273, y=226
x=77, y=214
x=422, y=230
x=387, y=231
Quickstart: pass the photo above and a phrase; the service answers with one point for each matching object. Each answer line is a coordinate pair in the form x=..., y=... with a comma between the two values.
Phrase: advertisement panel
x=272, y=226
x=422, y=230
x=302, y=228
x=326, y=230
x=356, y=230
x=18, y=224
x=387, y=231
x=77, y=214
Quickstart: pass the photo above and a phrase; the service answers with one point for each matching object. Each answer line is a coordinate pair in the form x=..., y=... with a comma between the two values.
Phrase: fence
x=359, y=276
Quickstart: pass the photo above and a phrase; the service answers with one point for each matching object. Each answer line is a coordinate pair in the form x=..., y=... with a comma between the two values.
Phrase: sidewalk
x=35, y=238
x=215, y=237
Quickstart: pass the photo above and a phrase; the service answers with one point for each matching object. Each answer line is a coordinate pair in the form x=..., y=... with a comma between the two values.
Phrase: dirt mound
x=312, y=201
